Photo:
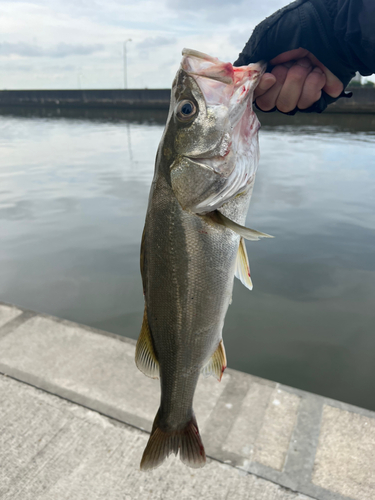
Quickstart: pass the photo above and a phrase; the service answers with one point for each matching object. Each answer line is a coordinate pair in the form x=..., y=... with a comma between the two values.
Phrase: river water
x=73, y=196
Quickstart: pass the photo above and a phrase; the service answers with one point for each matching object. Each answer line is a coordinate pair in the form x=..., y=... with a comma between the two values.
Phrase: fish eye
x=185, y=110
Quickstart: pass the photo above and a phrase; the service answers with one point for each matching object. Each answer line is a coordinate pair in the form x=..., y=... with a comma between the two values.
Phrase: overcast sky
x=79, y=43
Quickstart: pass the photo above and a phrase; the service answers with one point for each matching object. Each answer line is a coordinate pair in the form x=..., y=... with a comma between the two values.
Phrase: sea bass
x=193, y=241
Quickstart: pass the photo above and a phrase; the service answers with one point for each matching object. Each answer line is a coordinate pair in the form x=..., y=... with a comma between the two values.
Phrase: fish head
x=211, y=133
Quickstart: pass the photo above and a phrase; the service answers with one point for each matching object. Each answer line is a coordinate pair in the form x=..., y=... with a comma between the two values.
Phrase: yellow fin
x=245, y=232
x=242, y=266
x=145, y=357
x=217, y=363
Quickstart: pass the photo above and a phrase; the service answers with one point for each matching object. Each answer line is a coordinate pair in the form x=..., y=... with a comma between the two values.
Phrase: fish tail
x=161, y=444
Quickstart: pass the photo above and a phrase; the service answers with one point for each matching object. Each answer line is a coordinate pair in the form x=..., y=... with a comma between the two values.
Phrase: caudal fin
x=161, y=444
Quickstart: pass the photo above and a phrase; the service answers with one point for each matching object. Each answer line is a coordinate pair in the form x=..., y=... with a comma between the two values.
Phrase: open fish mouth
x=200, y=64
x=203, y=64
x=220, y=82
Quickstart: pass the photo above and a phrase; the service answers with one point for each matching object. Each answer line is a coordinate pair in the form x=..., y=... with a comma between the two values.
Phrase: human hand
x=301, y=42
x=296, y=81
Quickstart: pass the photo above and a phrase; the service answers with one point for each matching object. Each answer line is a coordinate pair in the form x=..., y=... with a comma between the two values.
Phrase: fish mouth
x=199, y=55
x=221, y=82
x=207, y=66
x=211, y=67
x=198, y=65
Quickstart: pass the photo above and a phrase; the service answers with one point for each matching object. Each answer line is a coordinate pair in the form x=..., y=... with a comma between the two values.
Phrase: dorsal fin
x=217, y=363
x=145, y=357
x=242, y=266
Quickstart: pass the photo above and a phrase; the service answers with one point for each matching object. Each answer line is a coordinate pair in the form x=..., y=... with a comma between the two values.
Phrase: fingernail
x=317, y=70
x=267, y=82
x=305, y=63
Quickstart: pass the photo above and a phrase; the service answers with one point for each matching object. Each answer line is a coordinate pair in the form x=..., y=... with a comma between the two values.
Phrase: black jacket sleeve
x=340, y=33
x=354, y=27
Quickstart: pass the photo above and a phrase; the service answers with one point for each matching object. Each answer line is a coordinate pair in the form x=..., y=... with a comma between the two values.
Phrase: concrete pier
x=75, y=413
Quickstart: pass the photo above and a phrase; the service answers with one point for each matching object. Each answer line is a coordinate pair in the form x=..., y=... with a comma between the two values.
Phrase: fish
x=193, y=241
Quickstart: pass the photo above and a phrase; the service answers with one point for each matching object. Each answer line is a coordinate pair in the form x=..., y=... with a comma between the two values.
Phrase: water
x=73, y=195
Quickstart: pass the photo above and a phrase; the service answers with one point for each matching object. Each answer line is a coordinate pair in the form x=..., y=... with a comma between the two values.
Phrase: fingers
x=295, y=83
x=266, y=82
x=292, y=88
x=333, y=85
x=268, y=100
x=312, y=88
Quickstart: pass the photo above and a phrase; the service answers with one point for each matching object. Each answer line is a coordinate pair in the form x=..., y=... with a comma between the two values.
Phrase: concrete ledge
x=276, y=442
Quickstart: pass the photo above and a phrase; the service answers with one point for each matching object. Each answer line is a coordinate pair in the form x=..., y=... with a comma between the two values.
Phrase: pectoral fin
x=216, y=364
x=145, y=357
x=242, y=266
x=245, y=232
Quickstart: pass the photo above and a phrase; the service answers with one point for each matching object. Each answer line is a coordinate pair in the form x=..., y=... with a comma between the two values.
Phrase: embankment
x=363, y=100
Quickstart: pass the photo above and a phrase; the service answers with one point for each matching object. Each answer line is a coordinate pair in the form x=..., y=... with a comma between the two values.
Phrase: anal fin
x=145, y=357
x=242, y=266
x=217, y=363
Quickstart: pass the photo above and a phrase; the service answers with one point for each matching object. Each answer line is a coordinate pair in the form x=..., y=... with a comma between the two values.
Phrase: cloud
x=90, y=35
x=222, y=11
x=239, y=37
x=155, y=41
x=28, y=65
x=199, y=5
x=64, y=50
x=60, y=50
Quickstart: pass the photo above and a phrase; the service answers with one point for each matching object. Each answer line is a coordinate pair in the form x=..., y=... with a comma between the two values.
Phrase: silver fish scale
x=189, y=268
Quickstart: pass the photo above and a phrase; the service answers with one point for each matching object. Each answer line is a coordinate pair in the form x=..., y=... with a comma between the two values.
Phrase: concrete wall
x=109, y=98
x=363, y=100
